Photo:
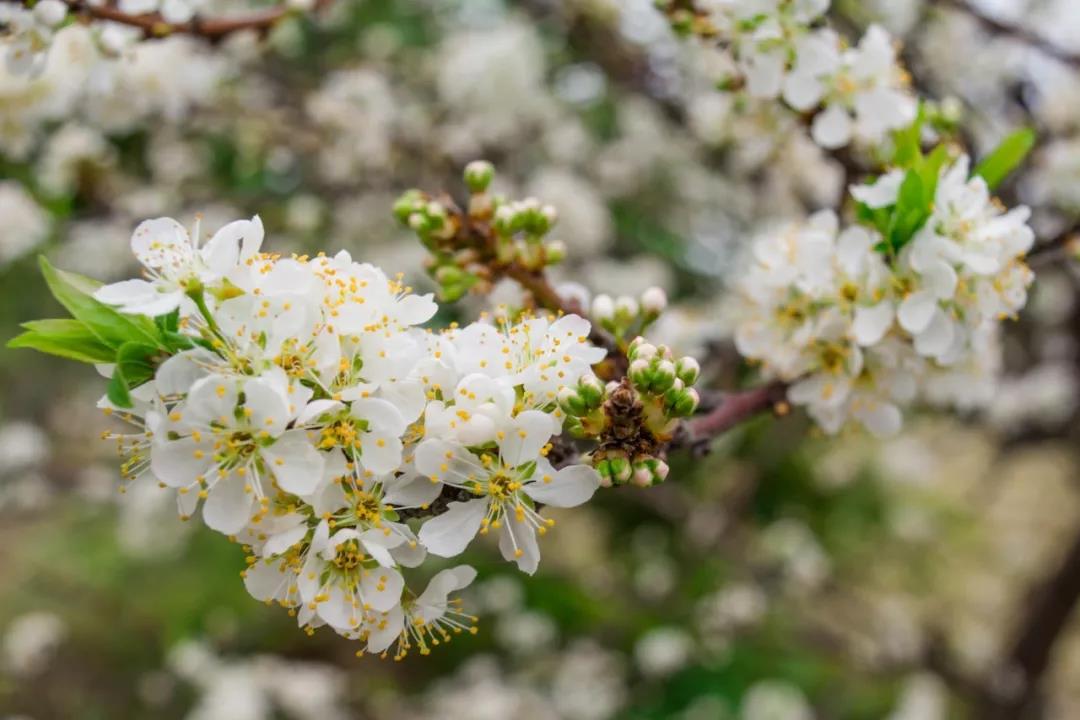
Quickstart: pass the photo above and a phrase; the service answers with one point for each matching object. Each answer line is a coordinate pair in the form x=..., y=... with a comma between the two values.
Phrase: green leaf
x=74, y=345
x=908, y=142
x=107, y=324
x=1006, y=157
x=118, y=392
x=136, y=362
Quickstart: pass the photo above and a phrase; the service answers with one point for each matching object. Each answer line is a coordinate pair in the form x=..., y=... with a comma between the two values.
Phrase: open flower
x=507, y=485
x=229, y=440
x=425, y=621
x=175, y=264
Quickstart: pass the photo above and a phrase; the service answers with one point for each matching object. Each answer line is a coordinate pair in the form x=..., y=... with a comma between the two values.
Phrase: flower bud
x=50, y=12
x=407, y=204
x=640, y=373
x=626, y=307
x=478, y=175
x=550, y=215
x=663, y=376
x=603, y=308
x=643, y=476
x=654, y=301
x=685, y=403
x=504, y=219
x=555, y=252
x=603, y=469
x=572, y=403
x=591, y=390
x=642, y=350
x=688, y=369
x=621, y=469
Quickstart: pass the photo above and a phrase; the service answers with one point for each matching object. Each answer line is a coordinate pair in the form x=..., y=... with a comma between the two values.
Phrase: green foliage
x=1006, y=157
x=97, y=333
x=898, y=223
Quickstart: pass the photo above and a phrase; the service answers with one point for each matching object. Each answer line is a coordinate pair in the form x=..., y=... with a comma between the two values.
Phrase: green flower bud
x=640, y=373
x=555, y=252
x=686, y=403
x=408, y=203
x=642, y=350
x=621, y=470
x=688, y=369
x=663, y=376
x=591, y=390
x=572, y=403
x=478, y=175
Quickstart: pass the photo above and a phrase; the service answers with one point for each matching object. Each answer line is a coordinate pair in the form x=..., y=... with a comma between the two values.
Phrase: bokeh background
x=786, y=576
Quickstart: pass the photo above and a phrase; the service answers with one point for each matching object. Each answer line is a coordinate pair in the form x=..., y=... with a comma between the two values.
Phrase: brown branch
x=731, y=410
x=153, y=25
x=1056, y=249
x=1049, y=610
x=1021, y=34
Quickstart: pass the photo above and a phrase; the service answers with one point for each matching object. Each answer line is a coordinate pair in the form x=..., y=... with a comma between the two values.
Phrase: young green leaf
x=64, y=338
x=118, y=392
x=1006, y=157
x=107, y=324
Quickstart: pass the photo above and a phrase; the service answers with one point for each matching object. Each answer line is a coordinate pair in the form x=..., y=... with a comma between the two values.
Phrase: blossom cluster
x=309, y=417
x=859, y=327
x=777, y=49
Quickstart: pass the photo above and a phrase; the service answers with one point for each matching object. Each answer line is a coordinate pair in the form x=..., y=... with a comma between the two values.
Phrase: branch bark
x=1051, y=606
x=153, y=25
x=733, y=409
x=1022, y=34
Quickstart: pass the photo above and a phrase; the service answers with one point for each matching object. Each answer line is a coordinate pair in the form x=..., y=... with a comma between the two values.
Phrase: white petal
x=937, y=337
x=832, y=128
x=916, y=311
x=527, y=434
x=449, y=534
x=266, y=408
x=381, y=453
x=381, y=588
x=384, y=630
x=415, y=309
x=880, y=418
x=568, y=487
x=228, y=506
x=265, y=580
x=871, y=323
x=178, y=463
x=284, y=540
x=296, y=464
x=517, y=542
x=380, y=415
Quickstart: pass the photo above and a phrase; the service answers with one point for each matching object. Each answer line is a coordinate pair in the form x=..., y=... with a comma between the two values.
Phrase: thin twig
x=1022, y=34
x=153, y=25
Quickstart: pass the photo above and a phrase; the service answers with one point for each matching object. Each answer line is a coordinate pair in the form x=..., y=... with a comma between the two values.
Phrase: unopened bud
x=654, y=301
x=626, y=307
x=620, y=469
x=639, y=373
x=555, y=252
x=688, y=369
x=642, y=350
x=407, y=204
x=603, y=308
x=571, y=402
x=591, y=390
x=478, y=175
x=685, y=403
x=50, y=12
x=663, y=376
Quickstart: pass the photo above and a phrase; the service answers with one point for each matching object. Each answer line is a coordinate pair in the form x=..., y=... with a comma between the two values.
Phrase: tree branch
x=153, y=25
x=1024, y=35
x=732, y=409
x=1049, y=610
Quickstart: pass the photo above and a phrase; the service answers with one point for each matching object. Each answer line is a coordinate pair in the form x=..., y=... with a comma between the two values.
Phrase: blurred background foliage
x=784, y=576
